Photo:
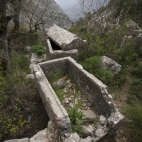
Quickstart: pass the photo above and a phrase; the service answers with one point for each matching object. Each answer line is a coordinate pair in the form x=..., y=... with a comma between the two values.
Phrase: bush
x=134, y=113
x=93, y=65
x=38, y=49
x=22, y=113
x=77, y=119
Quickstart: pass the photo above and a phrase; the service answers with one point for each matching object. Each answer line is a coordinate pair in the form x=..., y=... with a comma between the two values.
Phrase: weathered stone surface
x=40, y=136
x=97, y=95
x=100, y=133
x=37, y=59
x=18, y=140
x=88, y=130
x=115, y=118
x=74, y=137
x=89, y=114
x=59, y=83
x=55, y=110
x=30, y=76
x=110, y=64
x=103, y=120
x=55, y=54
x=63, y=38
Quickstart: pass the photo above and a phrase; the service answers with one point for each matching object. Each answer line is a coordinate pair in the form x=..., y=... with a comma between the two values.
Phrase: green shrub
x=93, y=65
x=38, y=49
x=19, y=99
x=134, y=113
x=77, y=119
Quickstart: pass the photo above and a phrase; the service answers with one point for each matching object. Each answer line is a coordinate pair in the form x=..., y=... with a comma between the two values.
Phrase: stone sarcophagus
x=90, y=86
x=61, y=43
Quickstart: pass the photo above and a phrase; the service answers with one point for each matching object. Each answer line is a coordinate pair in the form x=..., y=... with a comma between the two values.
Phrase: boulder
x=111, y=65
x=89, y=114
x=87, y=130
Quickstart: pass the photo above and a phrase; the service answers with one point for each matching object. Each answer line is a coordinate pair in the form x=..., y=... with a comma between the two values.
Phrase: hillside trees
x=4, y=37
x=10, y=13
x=33, y=13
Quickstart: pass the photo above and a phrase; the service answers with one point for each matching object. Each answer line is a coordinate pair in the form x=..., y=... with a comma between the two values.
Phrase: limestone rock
x=40, y=136
x=103, y=120
x=89, y=114
x=64, y=39
x=88, y=130
x=37, y=59
x=74, y=137
x=115, y=118
x=100, y=132
x=59, y=84
x=110, y=65
x=30, y=76
x=18, y=140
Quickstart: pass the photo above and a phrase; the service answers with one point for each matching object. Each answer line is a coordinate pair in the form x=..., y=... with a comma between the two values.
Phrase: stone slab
x=64, y=39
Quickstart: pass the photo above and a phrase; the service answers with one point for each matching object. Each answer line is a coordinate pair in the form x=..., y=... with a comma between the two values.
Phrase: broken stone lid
x=64, y=39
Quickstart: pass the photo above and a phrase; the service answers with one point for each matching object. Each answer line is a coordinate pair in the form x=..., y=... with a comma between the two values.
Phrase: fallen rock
x=110, y=65
x=87, y=130
x=18, y=140
x=59, y=84
x=103, y=120
x=100, y=132
x=89, y=114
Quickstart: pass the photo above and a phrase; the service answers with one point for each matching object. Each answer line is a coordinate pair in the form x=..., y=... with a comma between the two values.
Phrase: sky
x=65, y=4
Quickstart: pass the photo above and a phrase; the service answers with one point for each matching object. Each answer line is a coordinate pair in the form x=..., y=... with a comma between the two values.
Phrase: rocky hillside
x=76, y=12
x=115, y=31
x=43, y=12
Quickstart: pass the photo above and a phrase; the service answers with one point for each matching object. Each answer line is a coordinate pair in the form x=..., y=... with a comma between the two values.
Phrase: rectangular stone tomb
x=89, y=85
x=53, y=51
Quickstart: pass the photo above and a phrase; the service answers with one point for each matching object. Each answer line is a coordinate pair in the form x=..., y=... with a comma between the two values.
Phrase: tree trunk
x=5, y=61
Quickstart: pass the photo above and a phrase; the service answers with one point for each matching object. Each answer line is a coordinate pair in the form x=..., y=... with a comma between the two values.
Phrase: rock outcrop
x=43, y=12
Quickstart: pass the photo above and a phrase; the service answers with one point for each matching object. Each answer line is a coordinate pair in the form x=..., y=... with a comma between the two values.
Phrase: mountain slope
x=77, y=11
x=45, y=12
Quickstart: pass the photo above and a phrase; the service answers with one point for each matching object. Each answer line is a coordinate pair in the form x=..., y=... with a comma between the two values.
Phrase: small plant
x=77, y=119
x=38, y=49
x=54, y=76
